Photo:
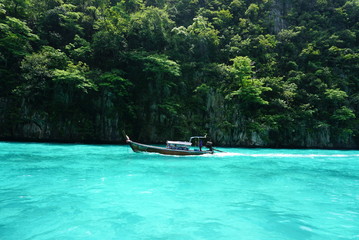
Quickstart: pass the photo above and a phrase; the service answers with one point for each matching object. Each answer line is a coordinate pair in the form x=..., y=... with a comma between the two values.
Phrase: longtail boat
x=173, y=147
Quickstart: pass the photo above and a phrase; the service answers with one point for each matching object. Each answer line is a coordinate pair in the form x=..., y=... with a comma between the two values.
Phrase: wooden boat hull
x=138, y=147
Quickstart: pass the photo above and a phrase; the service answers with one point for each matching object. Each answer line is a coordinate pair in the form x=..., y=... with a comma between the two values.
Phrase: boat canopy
x=179, y=143
x=198, y=137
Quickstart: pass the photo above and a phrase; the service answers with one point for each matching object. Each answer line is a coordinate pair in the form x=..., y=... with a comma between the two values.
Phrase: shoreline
x=93, y=142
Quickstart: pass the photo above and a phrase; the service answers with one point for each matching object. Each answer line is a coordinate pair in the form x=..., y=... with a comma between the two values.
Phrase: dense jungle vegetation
x=275, y=73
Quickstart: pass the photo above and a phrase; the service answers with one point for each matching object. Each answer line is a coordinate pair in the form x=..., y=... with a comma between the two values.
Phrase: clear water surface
x=69, y=191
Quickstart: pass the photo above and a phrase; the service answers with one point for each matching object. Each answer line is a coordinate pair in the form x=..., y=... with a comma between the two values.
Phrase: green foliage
x=222, y=18
x=114, y=82
x=160, y=64
x=335, y=95
x=15, y=8
x=80, y=49
x=74, y=76
x=156, y=65
x=115, y=20
x=241, y=69
x=15, y=37
x=278, y=70
x=343, y=114
x=250, y=89
x=252, y=11
x=202, y=30
x=38, y=70
x=43, y=62
x=200, y=39
x=149, y=29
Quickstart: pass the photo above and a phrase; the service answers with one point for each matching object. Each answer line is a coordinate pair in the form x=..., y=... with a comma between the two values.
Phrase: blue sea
x=74, y=191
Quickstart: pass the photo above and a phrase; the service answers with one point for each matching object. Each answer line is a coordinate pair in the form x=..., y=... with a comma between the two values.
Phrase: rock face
x=278, y=12
x=226, y=127
x=28, y=123
x=223, y=122
x=229, y=127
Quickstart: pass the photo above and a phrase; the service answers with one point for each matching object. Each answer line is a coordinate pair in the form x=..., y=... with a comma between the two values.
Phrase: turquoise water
x=68, y=191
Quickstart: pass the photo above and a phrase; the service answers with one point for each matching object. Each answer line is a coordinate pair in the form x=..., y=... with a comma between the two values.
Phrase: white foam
x=283, y=155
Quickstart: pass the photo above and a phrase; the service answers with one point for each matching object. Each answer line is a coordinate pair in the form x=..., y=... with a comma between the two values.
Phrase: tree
x=37, y=73
x=149, y=29
x=74, y=78
x=249, y=89
x=201, y=39
x=15, y=39
x=60, y=25
x=15, y=43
